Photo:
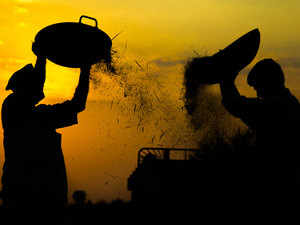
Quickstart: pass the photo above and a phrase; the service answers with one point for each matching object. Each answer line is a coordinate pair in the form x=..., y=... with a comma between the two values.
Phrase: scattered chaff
x=162, y=135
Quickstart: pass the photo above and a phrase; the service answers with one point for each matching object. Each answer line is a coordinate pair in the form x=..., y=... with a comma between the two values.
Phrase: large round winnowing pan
x=232, y=59
x=72, y=44
x=241, y=52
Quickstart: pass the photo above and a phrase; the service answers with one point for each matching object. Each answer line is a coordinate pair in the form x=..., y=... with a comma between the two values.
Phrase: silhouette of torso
x=275, y=165
x=274, y=119
x=34, y=168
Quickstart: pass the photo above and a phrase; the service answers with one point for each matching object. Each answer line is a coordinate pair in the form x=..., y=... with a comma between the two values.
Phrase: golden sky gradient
x=101, y=151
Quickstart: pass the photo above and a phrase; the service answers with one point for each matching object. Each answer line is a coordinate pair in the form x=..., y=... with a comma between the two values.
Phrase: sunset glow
x=156, y=38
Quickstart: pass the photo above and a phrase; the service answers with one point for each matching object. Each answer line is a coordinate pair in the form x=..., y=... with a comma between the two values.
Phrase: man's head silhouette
x=266, y=77
x=27, y=84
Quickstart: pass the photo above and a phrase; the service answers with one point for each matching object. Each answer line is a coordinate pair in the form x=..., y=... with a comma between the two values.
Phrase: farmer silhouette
x=34, y=173
x=274, y=116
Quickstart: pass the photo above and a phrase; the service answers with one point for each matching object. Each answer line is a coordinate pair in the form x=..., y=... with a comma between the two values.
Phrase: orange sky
x=101, y=151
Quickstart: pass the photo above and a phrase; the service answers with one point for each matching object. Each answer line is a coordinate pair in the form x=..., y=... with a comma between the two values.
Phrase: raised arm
x=231, y=97
x=80, y=96
x=40, y=65
x=40, y=68
x=65, y=114
x=239, y=106
x=228, y=89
